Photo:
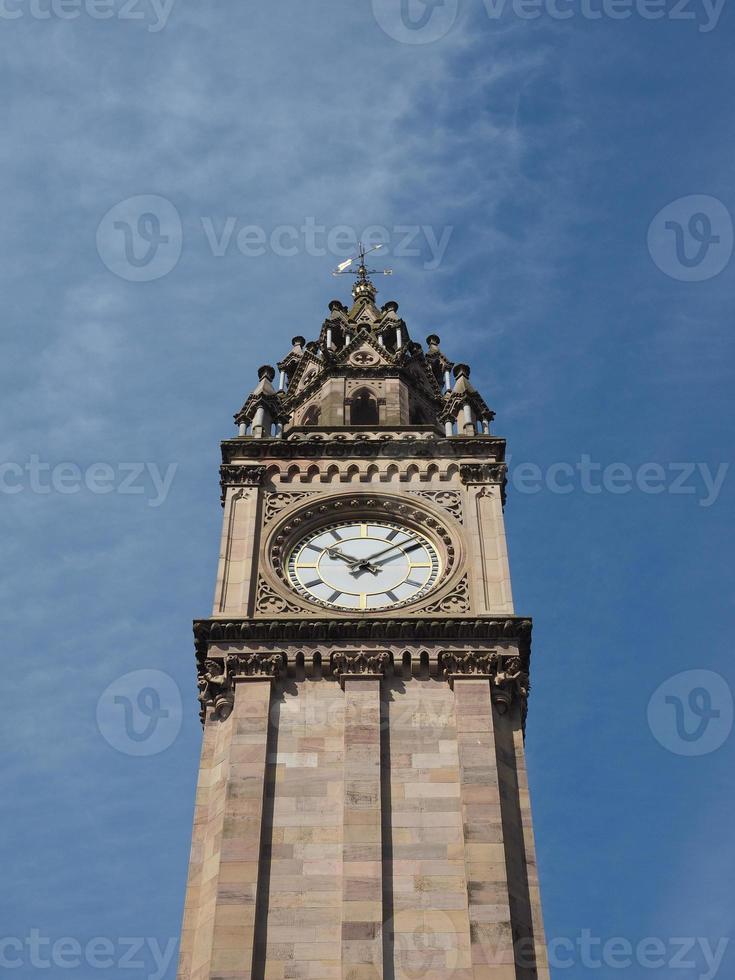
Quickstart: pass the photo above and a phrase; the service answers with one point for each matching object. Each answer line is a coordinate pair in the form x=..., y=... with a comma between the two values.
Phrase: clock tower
x=362, y=808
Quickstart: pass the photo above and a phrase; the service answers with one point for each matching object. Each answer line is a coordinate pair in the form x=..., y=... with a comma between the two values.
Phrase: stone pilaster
x=362, y=905
x=238, y=546
x=219, y=923
x=199, y=907
x=484, y=848
x=490, y=568
x=520, y=849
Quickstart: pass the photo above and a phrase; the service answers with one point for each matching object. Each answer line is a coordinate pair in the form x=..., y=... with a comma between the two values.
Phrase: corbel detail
x=232, y=475
x=370, y=666
x=217, y=679
x=508, y=678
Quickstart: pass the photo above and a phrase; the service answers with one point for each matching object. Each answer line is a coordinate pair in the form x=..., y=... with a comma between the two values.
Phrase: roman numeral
x=334, y=596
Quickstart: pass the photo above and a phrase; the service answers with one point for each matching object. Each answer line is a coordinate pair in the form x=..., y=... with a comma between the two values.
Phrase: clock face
x=363, y=565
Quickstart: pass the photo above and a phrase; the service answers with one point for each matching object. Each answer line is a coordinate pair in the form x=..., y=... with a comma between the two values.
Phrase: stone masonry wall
x=361, y=828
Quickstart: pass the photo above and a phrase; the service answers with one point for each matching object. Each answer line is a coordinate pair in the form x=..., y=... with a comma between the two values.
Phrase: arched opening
x=312, y=415
x=364, y=408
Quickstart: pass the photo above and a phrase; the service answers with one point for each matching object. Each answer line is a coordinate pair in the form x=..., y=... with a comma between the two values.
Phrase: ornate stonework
x=345, y=663
x=276, y=502
x=327, y=630
x=482, y=473
x=399, y=447
x=239, y=476
x=269, y=601
x=217, y=679
x=507, y=675
x=448, y=500
x=362, y=810
x=456, y=601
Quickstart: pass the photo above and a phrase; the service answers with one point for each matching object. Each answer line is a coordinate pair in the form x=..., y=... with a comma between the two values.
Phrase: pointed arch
x=364, y=408
x=312, y=415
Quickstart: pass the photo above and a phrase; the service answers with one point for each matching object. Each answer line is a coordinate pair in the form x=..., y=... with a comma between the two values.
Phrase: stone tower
x=362, y=808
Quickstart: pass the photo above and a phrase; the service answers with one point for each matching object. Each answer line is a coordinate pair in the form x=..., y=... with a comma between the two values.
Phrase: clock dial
x=364, y=565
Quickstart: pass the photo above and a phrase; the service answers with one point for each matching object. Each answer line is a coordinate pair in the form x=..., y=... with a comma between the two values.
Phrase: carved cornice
x=239, y=476
x=455, y=447
x=331, y=630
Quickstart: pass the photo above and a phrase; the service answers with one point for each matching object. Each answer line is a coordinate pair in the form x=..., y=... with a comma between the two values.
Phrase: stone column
x=219, y=922
x=487, y=880
x=362, y=883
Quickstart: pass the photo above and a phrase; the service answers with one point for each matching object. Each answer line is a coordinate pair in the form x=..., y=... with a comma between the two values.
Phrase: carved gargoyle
x=215, y=690
x=511, y=681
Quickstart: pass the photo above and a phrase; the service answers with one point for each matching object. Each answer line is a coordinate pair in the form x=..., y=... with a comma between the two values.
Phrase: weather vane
x=344, y=268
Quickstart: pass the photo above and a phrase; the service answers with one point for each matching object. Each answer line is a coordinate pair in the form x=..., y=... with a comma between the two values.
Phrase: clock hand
x=355, y=563
x=385, y=551
x=336, y=553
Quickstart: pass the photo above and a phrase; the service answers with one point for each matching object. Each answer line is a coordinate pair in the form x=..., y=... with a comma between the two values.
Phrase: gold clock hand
x=385, y=551
x=355, y=563
x=336, y=553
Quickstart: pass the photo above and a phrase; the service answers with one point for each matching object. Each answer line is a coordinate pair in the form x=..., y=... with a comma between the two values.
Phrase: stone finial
x=298, y=343
x=461, y=371
x=390, y=307
x=433, y=341
x=266, y=371
x=336, y=306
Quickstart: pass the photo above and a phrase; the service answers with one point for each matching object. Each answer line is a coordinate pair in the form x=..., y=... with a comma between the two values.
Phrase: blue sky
x=539, y=150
